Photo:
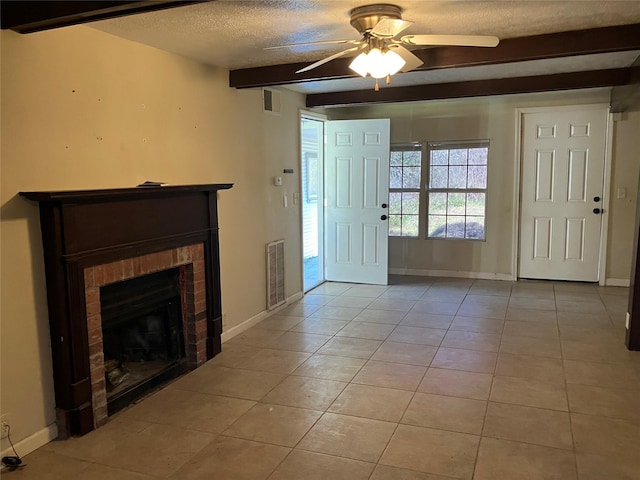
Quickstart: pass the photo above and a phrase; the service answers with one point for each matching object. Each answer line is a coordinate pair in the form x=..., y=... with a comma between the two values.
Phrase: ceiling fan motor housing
x=366, y=17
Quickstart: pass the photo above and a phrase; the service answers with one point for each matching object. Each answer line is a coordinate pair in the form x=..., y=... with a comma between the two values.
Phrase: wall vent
x=275, y=274
x=271, y=101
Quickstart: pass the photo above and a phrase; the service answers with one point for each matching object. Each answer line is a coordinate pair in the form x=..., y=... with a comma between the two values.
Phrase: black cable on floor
x=12, y=462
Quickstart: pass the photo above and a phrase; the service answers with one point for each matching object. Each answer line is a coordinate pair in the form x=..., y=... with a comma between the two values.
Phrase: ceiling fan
x=382, y=55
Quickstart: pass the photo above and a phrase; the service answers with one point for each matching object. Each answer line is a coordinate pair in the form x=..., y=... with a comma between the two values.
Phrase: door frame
x=321, y=118
x=606, y=187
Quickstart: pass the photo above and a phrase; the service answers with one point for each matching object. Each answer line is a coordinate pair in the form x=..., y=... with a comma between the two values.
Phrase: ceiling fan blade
x=412, y=60
x=390, y=27
x=308, y=44
x=328, y=59
x=457, y=40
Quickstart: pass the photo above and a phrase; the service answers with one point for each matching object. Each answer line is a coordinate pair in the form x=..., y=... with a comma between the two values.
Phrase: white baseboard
x=452, y=274
x=617, y=282
x=33, y=442
x=247, y=324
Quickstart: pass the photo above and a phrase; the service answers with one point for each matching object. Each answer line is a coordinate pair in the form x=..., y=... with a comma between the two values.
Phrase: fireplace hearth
x=99, y=245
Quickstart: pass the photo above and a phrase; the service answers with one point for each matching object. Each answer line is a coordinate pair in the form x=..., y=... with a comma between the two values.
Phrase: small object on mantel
x=149, y=183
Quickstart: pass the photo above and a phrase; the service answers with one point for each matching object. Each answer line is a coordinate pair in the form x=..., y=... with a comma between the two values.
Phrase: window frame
x=451, y=145
x=408, y=147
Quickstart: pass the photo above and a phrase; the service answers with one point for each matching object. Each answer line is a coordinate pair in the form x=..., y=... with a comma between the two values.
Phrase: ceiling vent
x=271, y=101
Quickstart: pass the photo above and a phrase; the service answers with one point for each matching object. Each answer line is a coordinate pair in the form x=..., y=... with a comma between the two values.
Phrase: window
x=457, y=190
x=310, y=170
x=405, y=167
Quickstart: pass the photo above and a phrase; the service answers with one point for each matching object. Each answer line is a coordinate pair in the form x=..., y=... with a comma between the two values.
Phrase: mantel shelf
x=90, y=196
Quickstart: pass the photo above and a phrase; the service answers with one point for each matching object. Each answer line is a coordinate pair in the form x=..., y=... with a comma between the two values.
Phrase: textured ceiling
x=233, y=34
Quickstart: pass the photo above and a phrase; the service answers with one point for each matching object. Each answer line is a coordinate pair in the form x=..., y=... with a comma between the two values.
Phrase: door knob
x=383, y=217
x=596, y=199
x=597, y=210
x=384, y=205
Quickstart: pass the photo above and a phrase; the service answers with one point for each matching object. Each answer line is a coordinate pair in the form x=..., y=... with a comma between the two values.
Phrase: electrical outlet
x=4, y=425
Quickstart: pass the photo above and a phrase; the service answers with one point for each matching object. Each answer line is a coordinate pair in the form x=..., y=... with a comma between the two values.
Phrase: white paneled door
x=563, y=158
x=357, y=196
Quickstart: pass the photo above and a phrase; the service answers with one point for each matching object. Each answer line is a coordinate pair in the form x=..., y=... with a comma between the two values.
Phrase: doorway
x=345, y=225
x=312, y=171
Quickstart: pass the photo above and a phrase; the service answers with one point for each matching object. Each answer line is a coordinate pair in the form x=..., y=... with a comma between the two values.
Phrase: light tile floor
x=425, y=379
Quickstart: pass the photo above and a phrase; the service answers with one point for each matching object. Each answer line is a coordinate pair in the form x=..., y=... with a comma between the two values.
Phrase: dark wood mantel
x=90, y=196
x=86, y=228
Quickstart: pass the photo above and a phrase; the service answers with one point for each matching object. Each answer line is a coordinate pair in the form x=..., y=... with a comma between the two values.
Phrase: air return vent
x=271, y=101
x=275, y=274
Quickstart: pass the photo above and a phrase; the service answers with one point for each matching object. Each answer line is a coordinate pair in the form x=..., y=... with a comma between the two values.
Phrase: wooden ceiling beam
x=35, y=16
x=521, y=49
x=477, y=88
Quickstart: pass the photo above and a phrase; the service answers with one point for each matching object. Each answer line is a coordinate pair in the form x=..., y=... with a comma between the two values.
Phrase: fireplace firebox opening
x=143, y=335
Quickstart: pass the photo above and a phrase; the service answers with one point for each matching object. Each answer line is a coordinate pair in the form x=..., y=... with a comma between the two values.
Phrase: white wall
x=82, y=109
x=624, y=175
x=494, y=118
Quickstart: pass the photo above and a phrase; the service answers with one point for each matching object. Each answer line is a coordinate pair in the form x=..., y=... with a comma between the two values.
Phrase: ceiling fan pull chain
x=388, y=78
x=377, y=87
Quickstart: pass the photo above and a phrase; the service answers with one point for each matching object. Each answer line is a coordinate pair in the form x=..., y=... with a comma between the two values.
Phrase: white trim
x=564, y=108
x=33, y=442
x=250, y=322
x=321, y=118
x=604, y=232
x=617, y=282
x=606, y=194
x=451, y=273
x=313, y=115
x=301, y=114
x=515, y=233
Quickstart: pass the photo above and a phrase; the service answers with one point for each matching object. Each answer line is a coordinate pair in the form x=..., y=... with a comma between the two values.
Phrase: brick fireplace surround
x=194, y=309
x=98, y=237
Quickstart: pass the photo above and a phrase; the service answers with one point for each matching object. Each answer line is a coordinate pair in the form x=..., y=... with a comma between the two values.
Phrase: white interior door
x=356, y=188
x=563, y=157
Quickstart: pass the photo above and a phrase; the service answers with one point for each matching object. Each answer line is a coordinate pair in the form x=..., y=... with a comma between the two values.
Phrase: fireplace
x=133, y=290
x=150, y=280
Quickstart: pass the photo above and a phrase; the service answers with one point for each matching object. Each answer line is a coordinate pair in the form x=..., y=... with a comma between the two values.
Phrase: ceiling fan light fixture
x=393, y=62
x=377, y=63
x=360, y=65
x=376, y=66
